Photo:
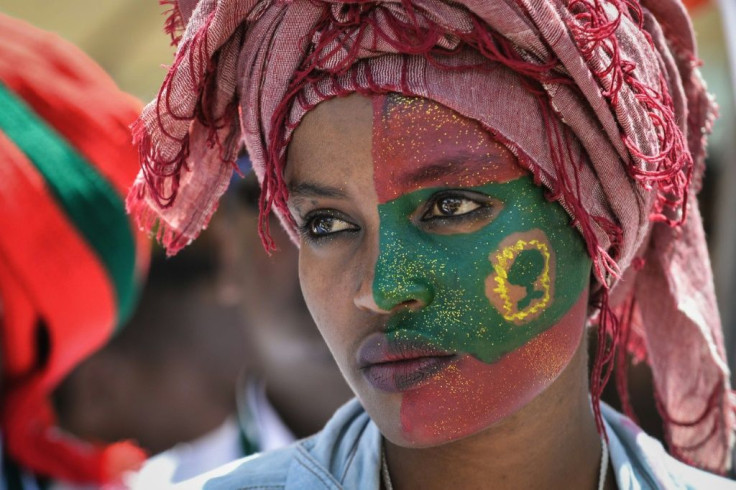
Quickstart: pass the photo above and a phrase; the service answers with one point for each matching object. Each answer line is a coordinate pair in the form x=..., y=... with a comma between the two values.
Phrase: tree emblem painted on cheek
x=520, y=286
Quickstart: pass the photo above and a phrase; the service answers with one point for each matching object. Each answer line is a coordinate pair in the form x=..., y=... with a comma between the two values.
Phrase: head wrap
x=599, y=99
x=71, y=262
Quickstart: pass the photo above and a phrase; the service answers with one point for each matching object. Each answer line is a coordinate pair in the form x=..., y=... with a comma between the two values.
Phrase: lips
x=400, y=365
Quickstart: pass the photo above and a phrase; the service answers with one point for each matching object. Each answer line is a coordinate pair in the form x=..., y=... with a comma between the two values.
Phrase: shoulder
x=343, y=455
x=267, y=470
x=641, y=462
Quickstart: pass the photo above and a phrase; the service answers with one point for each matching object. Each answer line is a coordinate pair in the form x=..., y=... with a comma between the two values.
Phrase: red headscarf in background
x=693, y=5
x=71, y=262
x=599, y=99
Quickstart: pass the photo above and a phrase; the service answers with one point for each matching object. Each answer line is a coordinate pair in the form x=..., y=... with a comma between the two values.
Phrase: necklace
x=604, y=464
x=386, y=477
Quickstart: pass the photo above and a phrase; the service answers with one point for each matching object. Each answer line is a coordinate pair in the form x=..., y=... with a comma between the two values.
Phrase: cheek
x=472, y=395
x=327, y=294
x=511, y=300
x=491, y=291
x=315, y=288
x=521, y=286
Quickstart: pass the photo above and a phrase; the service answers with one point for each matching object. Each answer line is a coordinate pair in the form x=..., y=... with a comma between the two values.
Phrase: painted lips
x=400, y=365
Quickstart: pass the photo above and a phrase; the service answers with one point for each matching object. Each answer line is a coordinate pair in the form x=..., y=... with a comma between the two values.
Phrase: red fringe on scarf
x=669, y=171
x=174, y=24
x=158, y=169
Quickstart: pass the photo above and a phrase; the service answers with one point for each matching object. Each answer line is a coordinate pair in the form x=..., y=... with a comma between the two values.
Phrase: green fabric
x=450, y=273
x=88, y=199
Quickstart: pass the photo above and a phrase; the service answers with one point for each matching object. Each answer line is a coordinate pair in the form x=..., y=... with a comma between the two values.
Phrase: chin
x=466, y=399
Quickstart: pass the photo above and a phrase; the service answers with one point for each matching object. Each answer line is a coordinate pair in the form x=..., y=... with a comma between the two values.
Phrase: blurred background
x=126, y=38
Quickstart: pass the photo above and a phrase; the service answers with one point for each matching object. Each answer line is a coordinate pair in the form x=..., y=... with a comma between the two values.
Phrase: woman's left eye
x=449, y=206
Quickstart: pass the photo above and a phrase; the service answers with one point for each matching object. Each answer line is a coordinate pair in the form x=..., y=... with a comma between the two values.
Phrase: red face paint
x=472, y=395
x=416, y=141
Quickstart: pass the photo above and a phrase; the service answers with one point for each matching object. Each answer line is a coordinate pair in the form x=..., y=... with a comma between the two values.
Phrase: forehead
x=402, y=143
x=332, y=142
x=419, y=143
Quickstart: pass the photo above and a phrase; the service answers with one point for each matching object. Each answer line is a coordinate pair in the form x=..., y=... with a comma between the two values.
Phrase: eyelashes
x=323, y=224
x=445, y=212
x=451, y=204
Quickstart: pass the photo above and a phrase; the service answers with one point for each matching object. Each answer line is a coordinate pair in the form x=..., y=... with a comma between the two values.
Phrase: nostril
x=411, y=294
x=411, y=305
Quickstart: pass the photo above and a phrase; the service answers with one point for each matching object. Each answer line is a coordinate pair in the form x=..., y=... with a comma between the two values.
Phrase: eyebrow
x=309, y=189
x=444, y=167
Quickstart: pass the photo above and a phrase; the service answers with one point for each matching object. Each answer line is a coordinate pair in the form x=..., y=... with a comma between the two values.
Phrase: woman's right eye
x=323, y=225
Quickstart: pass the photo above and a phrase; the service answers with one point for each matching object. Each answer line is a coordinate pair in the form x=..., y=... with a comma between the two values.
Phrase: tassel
x=670, y=169
x=174, y=24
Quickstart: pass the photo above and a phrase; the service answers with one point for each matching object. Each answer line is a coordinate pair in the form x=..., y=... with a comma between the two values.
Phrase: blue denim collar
x=346, y=454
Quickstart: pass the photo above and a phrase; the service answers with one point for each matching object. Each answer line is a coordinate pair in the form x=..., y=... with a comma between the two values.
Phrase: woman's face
x=448, y=289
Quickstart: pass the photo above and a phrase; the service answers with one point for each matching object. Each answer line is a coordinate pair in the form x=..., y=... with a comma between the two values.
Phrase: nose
x=410, y=293
x=401, y=279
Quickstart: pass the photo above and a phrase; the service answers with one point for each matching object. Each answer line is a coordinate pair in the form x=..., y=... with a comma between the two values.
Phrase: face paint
x=495, y=285
x=471, y=395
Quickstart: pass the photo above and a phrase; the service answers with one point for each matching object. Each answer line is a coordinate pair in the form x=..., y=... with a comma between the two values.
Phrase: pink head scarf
x=599, y=99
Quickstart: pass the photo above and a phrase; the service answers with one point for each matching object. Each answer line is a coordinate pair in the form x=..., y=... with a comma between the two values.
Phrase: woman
x=470, y=183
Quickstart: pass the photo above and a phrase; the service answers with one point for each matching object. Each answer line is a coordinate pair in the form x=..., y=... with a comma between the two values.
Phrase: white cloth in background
x=271, y=432
x=265, y=431
x=191, y=458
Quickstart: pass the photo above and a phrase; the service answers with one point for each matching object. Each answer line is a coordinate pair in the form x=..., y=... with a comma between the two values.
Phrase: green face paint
x=487, y=292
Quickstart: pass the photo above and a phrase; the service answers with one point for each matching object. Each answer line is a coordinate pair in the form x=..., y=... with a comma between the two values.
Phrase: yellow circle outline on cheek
x=504, y=260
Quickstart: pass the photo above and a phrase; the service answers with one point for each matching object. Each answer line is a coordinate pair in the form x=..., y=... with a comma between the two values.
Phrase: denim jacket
x=346, y=454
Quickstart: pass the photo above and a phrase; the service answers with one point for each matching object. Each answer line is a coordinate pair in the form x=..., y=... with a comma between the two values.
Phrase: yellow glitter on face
x=506, y=295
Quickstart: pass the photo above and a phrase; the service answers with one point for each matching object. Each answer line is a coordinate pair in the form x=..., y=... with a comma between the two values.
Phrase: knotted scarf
x=71, y=262
x=599, y=99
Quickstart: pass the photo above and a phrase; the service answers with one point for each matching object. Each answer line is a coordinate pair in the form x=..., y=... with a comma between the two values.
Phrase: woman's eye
x=323, y=225
x=449, y=206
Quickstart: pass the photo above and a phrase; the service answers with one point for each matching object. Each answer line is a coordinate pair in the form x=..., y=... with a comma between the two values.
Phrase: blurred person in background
x=170, y=375
x=207, y=362
x=71, y=262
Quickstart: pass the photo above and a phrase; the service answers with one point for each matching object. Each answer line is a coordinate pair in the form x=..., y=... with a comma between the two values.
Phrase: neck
x=551, y=443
